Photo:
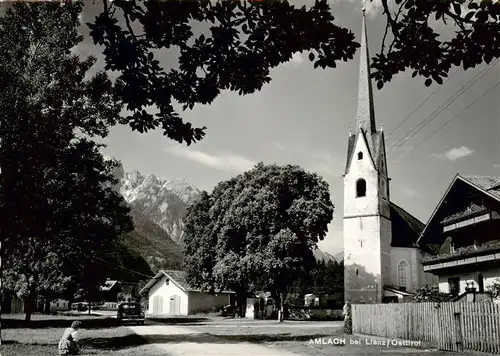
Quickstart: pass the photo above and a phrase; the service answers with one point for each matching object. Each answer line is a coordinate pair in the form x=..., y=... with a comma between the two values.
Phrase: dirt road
x=196, y=343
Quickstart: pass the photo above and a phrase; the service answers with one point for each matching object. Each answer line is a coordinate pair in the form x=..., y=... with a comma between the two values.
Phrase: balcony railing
x=464, y=252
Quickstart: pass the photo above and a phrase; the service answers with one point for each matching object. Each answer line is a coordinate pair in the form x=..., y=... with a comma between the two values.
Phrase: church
x=381, y=257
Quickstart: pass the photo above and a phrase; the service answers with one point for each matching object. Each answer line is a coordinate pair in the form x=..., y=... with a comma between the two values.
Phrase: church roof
x=405, y=227
x=376, y=146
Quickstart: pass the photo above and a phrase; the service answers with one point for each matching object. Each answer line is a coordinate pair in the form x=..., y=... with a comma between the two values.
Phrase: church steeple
x=366, y=111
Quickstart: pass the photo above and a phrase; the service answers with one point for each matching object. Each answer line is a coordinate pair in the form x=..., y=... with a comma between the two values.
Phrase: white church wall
x=362, y=250
x=385, y=247
x=403, y=255
x=361, y=169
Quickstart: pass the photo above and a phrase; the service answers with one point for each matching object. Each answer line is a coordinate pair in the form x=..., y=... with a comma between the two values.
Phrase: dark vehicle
x=229, y=311
x=130, y=313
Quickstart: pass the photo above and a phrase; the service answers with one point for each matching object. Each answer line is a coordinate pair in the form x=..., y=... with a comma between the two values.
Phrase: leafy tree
x=257, y=230
x=56, y=199
x=240, y=44
x=430, y=294
x=413, y=40
x=242, y=40
x=494, y=289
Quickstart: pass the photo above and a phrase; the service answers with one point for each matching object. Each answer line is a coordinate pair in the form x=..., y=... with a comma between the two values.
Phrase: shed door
x=157, y=305
x=175, y=305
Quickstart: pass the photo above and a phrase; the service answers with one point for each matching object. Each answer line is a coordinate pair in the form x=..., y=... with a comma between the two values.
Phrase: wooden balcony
x=470, y=255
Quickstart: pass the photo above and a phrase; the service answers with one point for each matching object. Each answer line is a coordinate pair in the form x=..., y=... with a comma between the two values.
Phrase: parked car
x=229, y=310
x=130, y=313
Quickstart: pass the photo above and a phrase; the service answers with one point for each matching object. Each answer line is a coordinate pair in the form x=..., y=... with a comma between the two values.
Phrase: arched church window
x=402, y=273
x=360, y=155
x=360, y=188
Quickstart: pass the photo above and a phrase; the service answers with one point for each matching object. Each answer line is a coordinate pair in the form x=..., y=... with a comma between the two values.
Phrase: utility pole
x=1, y=295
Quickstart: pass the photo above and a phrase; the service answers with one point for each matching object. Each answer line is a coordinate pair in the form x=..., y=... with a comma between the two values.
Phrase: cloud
x=223, y=161
x=372, y=6
x=409, y=192
x=318, y=161
x=455, y=153
x=496, y=165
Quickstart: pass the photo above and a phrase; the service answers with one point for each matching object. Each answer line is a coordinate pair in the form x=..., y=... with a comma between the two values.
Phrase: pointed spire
x=366, y=112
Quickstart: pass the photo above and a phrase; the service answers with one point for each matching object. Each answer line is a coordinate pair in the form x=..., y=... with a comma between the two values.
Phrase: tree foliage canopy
x=240, y=42
x=233, y=45
x=58, y=205
x=257, y=230
x=415, y=41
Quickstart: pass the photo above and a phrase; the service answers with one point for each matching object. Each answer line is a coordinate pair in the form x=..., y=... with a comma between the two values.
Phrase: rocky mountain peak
x=161, y=200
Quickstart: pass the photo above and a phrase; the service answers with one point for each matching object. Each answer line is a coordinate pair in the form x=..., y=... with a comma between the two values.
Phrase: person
x=347, y=318
x=68, y=345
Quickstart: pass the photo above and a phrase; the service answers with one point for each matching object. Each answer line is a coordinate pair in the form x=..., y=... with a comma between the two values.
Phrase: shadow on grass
x=114, y=343
x=122, y=342
x=86, y=323
x=175, y=321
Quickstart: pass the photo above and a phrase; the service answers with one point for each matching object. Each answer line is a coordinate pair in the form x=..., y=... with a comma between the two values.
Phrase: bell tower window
x=360, y=156
x=360, y=188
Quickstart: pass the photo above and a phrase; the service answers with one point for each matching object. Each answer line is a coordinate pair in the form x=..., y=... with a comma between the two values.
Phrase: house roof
x=108, y=285
x=179, y=278
x=405, y=227
x=488, y=185
x=397, y=291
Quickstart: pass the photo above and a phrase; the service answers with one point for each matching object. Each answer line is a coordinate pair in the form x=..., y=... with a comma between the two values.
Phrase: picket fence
x=448, y=326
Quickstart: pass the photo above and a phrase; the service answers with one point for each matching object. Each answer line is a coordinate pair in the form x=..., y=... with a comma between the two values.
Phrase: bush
x=430, y=294
x=294, y=299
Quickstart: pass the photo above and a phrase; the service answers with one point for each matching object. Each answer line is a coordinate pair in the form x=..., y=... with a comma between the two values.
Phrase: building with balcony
x=464, y=232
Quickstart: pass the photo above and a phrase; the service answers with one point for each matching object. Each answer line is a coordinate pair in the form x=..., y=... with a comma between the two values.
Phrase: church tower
x=366, y=222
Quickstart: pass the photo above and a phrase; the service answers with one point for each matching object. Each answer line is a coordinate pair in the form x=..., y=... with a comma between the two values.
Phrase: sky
x=303, y=118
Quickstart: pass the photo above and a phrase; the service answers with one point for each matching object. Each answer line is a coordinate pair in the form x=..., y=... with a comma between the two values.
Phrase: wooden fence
x=448, y=326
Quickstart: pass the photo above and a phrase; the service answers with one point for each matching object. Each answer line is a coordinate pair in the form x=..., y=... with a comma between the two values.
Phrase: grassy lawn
x=290, y=338
x=99, y=336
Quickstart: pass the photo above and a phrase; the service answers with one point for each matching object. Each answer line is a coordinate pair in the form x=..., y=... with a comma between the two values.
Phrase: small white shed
x=170, y=294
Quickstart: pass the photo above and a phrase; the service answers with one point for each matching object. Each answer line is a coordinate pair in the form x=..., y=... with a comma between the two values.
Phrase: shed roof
x=177, y=277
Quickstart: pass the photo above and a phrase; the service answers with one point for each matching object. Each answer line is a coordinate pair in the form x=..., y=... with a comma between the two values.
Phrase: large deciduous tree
x=237, y=45
x=233, y=45
x=413, y=37
x=257, y=231
x=57, y=202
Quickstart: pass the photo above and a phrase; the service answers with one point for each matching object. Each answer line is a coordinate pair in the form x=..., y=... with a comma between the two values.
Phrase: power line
x=450, y=120
x=106, y=263
x=444, y=106
x=421, y=104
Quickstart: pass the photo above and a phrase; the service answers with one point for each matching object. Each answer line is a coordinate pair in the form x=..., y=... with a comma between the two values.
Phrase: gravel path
x=164, y=337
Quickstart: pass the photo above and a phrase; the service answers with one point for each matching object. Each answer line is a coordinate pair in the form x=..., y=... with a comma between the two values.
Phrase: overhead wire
x=450, y=120
x=444, y=106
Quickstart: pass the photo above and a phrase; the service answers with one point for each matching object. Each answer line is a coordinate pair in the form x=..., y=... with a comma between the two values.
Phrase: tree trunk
x=28, y=305
x=1, y=299
x=281, y=312
x=241, y=303
x=88, y=301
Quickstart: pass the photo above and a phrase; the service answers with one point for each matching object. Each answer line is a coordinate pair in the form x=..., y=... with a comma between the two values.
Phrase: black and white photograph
x=249, y=177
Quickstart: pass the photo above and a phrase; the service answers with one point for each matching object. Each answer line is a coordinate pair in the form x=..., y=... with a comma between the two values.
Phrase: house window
x=166, y=282
x=453, y=284
x=402, y=274
x=480, y=283
x=360, y=156
x=361, y=243
x=360, y=188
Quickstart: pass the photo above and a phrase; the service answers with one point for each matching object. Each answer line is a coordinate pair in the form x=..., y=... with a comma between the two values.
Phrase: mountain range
x=157, y=208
